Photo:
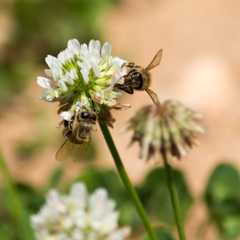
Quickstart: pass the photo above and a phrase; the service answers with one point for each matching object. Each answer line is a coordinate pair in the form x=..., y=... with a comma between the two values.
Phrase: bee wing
x=73, y=151
x=156, y=60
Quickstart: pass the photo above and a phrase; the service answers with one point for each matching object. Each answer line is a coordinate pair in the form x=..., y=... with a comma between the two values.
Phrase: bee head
x=87, y=115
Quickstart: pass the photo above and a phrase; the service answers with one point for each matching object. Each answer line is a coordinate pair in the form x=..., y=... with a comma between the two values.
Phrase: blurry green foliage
x=43, y=27
x=222, y=197
x=155, y=195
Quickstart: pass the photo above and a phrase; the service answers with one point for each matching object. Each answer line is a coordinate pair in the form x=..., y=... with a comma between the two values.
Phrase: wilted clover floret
x=165, y=130
x=78, y=216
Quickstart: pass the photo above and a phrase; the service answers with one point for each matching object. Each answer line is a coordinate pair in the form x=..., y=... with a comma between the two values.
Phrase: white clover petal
x=85, y=75
x=106, y=50
x=120, y=234
x=80, y=218
x=95, y=67
x=109, y=223
x=84, y=47
x=97, y=198
x=65, y=55
x=84, y=64
x=48, y=72
x=51, y=61
x=84, y=102
x=61, y=236
x=118, y=62
x=117, y=95
x=47, y=94
x=79, y=194
x=56, y=73
x=67, y=115
x=111, y=71
x=92, y=236
x=43, y=82
x=97, y=56
x=69, y=78
x=73, y=73
x=117, y=78
x=97, y=45
x=62, y=56
x=67, y=223
x=77, y=235
x=37, y=220
x=55, y=200
x=91, y=46
x=99, y=203
x=94, y=45
x=49, y=213
x=62, y=85
x=74, y=46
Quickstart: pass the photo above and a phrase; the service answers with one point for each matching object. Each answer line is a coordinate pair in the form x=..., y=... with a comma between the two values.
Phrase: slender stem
x=127, y=183
x=175, y=202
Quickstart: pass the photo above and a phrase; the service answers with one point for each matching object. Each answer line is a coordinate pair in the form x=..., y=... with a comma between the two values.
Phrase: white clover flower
x=83, y=76
x=78, y=216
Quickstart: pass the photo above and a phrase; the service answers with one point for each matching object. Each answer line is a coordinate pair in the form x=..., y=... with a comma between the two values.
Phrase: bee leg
x=66, y=133
x=127, y=89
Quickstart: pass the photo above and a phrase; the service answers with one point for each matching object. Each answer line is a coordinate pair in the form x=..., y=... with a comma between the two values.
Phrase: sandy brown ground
x=200, y=67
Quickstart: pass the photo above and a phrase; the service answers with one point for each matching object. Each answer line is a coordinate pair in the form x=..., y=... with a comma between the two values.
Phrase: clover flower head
x=83, y=76
x=165, y=130
x=78, y=216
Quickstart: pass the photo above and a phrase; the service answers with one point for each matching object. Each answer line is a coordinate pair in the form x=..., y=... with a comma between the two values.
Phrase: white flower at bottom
x=78, y=216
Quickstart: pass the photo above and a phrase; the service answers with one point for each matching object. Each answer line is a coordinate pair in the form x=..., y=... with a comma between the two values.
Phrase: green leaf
x=222, y=199
x=162, y=234
x=223, y=183
x=231, y=227
x=156, y=197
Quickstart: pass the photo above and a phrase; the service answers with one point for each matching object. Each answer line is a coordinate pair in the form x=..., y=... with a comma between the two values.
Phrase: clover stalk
x=126, y=181
x=174, y=199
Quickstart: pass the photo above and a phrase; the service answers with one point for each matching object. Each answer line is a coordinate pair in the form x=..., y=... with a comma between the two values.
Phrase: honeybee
x=139, y=78
x=79, y=131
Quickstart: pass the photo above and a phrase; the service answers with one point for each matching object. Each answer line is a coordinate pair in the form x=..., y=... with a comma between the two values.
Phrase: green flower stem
x=20, y=217
x=175, y=202
x=127, y=183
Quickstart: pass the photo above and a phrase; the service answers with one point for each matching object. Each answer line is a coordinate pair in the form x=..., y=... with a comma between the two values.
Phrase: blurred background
x=200, y=67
